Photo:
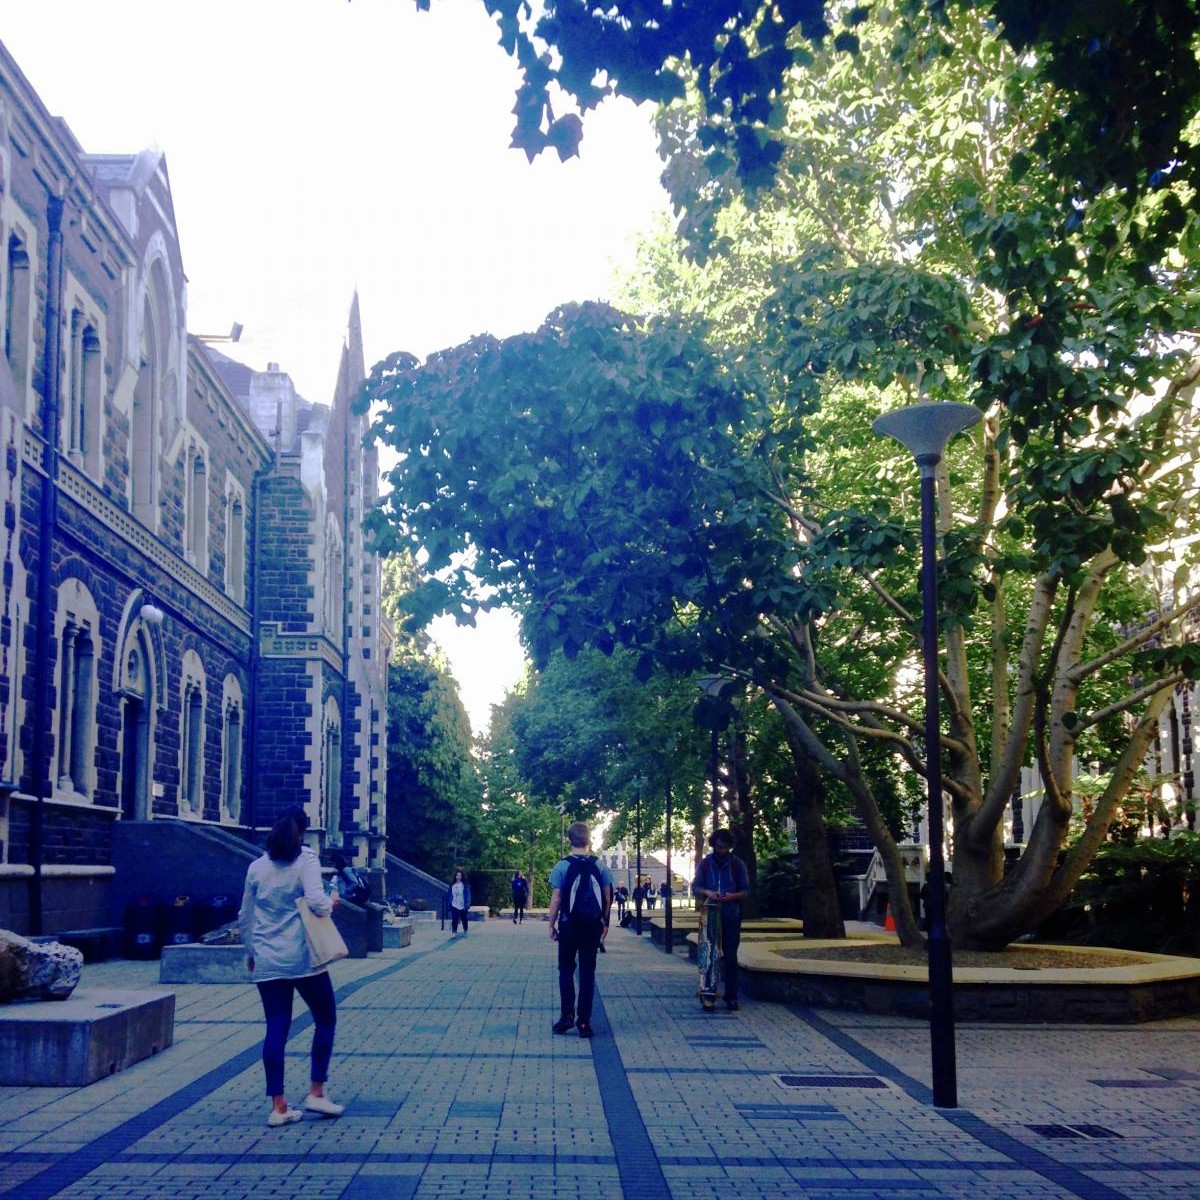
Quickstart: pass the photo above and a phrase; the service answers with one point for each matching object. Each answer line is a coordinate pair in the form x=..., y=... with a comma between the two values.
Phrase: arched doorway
x=136, y=707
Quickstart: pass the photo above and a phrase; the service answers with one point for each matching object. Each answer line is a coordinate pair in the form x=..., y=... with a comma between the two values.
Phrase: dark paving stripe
x=434, y=1052
x=70, y=1168
x=698, y=1071
x=637, y=1164
x=872, y=1061
x=1025, y=1156
x=375, y=1157
x=1134, y=1083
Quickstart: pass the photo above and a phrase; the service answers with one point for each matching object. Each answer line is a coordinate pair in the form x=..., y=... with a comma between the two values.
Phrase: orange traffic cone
x=889, y=922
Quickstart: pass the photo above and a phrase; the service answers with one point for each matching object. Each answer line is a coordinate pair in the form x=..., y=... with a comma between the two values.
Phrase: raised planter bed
x=1135, y=988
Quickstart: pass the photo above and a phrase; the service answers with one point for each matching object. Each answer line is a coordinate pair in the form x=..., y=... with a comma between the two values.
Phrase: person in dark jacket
x=520, y=895
x=724, y=881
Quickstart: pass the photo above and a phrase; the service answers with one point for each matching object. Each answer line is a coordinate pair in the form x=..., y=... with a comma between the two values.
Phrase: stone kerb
x=758, y=929
x=1136, y=988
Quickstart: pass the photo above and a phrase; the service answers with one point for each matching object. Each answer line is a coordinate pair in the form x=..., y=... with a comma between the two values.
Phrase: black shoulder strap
x=575, y=868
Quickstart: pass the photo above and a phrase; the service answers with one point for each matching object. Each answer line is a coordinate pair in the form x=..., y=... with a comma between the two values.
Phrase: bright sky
x=316, y=147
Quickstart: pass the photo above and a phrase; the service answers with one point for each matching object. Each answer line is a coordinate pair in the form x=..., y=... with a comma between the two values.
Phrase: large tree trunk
x=851, y=774
x=820, y=905
x=741, y=809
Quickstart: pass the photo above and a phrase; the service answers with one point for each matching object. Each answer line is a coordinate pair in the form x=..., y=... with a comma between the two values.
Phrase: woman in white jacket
x=277, y=956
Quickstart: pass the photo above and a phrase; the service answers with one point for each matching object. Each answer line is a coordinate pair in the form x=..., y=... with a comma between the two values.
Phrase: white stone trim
x=57, y=871
x=130, y=530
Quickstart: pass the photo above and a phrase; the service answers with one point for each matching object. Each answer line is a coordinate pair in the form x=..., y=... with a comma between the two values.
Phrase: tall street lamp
x=638, y=892
x=669, y=937
x=925, y=429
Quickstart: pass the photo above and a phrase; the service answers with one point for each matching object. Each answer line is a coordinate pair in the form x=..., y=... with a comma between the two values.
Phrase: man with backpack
x=580, y=900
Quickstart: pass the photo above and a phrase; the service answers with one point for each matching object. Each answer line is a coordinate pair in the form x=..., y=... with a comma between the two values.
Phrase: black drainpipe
x=253, y=558
x=51, y=383
x=347, y=616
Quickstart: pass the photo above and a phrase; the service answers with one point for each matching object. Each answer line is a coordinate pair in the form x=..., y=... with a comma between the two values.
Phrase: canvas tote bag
x=325, y=943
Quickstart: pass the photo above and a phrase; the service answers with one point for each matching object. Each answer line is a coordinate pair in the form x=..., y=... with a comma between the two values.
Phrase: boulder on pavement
x=37, y=970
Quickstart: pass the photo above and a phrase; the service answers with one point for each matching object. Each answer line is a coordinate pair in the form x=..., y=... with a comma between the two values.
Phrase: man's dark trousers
x=578, y=938
x=731, y=940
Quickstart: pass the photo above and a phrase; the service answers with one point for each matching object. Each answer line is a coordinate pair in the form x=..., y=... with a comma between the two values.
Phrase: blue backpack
x=583, y=891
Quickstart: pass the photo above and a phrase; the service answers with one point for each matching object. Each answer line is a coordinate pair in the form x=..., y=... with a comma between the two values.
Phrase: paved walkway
x=455, y=1087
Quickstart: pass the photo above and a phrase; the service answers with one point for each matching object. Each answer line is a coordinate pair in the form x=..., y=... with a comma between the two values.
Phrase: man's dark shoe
x=585, y=1029
x=564, y=1025
x=731, y=1005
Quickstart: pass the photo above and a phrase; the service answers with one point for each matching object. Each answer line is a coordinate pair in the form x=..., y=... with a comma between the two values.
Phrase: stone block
x=374, y=925
x=74, y=1042
x=353, y=924
x=199, y=963
x=397, y=934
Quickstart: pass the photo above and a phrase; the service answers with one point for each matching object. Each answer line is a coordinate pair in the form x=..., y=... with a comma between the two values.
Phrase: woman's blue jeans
x=317, y=992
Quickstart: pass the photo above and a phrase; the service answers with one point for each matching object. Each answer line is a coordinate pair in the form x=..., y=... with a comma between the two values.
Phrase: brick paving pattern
x=457, y=1090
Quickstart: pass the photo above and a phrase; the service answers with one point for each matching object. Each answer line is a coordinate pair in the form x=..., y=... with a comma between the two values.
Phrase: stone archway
x=139, y=680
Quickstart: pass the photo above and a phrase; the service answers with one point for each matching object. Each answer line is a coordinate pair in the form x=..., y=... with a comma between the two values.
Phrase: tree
x=1127, y=71
x=720, y=506
x=433, y=789
x=590, y=735
x=518, y=830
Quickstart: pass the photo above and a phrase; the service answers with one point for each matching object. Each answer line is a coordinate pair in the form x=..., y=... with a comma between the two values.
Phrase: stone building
x=189, y=620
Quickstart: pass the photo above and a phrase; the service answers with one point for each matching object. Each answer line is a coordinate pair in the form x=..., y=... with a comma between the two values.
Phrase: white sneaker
x=323, y=1105
x=283, y=1118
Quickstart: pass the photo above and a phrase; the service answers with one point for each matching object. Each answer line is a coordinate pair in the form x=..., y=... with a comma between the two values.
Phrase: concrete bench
x=682, y=924
x=397, y=934
x=88, y=1036
x=361, y=927
x=196, y=963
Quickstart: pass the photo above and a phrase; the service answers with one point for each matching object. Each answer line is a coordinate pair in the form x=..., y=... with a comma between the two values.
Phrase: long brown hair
x=284, y=842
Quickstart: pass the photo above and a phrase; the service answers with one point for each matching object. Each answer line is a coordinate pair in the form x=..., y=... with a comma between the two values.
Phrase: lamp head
x=151, y=614
x=926, y=428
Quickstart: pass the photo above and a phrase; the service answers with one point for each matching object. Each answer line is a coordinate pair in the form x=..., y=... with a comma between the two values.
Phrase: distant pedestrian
x=580, y=902
x=278, y=957
x=621, y=895
x=665, y=893
x=651, y=895
x=722, y=882
x=349, y=881
x=520, y=897
x=458, y=900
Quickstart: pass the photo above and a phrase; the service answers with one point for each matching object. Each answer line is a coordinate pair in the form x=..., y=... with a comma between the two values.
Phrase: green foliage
x=1127, y=71
x=433, y=785
x=706, y=495
x=433, y=789
x=517, y=831
x=1142, y=895
x=779, y=887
